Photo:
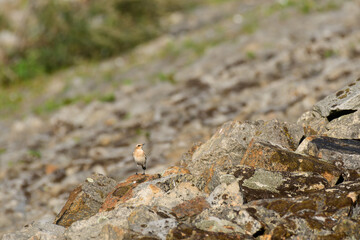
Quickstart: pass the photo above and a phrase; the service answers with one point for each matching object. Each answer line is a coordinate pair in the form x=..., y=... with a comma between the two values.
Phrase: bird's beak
x=143, y=144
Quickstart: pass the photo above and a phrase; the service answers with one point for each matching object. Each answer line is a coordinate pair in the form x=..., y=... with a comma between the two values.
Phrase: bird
x=140, y=157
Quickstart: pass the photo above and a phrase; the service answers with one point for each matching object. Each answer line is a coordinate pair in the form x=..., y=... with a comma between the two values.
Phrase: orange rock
x=123, y=191
x=175, y=170
x=50, y=168
x=273, y=158
x=191, y=207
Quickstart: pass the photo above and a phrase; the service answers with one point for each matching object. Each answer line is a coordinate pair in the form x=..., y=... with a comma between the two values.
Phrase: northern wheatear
x=140, y=157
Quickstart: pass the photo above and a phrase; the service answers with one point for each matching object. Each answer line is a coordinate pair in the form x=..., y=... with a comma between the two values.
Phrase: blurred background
x=83, y=81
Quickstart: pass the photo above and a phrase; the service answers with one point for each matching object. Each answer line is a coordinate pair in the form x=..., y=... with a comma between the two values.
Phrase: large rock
x=317, y=214
x=124, y=191
x=42, y=229
x=85, y=200
x=342, y=152
x=228, y=145
x=261, y=184
x=336, y=115
x=274, y=158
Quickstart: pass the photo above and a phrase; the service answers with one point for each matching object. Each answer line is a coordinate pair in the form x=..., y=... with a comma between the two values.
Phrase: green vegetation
x=2, y=150
x=69, y=32
x=166, y=77
x=250, y=55
x=34, y=153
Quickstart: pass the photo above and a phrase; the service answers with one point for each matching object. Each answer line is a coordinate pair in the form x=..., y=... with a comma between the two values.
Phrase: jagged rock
x=94, y=227
x=226, y=195
x=42, y=229
x=187, y=231
x=124, y=191
x=190, y=208
x=274, y=158
x=344, y=153
x=85, y=200
x=314, y=215
x=149, y=223
x=261, y=184
x=227, y=146
x=336, y=115
x=231, y=140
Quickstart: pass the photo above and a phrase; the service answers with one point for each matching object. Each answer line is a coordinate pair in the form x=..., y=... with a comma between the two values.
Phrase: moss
x=121, y=191
x=339, y=93
x=264, y=180
x=280, y=206
x=306, y=204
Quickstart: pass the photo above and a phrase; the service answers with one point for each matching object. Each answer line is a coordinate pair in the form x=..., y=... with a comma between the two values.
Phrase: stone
x=85, y=200
x=228, y=145
x=226, y=195
x=187, y=231
x=336, y=115
x=341, y=152
x=41, y=229
x=261, y=184
x=274, y=158
x=190, y=207
x=124, y=191
x=341, y=102
x=148, y=222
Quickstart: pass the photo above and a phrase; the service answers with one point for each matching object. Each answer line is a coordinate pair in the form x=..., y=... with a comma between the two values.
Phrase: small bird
x=140, y=157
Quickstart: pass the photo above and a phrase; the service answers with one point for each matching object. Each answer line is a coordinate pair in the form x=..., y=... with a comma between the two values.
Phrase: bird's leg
x=144, y=168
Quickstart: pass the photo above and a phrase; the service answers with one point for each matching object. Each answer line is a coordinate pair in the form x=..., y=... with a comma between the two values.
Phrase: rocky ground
x=252, y=179
x=243, y=61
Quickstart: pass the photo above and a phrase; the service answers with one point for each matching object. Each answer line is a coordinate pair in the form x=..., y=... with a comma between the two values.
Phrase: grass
x=34, y=153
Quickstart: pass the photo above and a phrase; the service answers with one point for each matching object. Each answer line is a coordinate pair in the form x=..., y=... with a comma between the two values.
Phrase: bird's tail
x=144, y=167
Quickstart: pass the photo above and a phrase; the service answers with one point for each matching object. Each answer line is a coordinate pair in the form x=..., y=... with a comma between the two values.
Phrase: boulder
x=336, y=115
x=274, y=158
x=344, y=153
x=85, y=200
x=263, y=184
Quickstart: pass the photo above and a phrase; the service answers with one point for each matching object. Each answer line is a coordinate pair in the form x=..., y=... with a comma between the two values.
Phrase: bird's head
x=139, y=146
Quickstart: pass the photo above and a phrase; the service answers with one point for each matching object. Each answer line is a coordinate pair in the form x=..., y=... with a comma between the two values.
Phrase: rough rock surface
x=174, y=92
x=262, y=190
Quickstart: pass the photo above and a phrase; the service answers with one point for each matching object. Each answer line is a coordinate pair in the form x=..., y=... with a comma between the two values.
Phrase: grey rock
x=86, y=200
x=42, y=229
x=261, y=184
x=342, y=152
x=232, y=139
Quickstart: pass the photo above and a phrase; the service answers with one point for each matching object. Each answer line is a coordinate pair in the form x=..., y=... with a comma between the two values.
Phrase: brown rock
x=186, y=231
x=85, y=200
x=273, y=158
x=342, y=152
x=191, y=207
x=123, y=191
x=260, y=183
x=175, y=170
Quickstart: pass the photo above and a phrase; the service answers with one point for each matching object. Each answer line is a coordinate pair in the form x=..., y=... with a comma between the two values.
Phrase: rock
x=42, y=229
x=226, y=195
x=124, y=191
x=345, y=127
x=344, y=153
x=149, y=223
x=85, y=200
x=342, y=102
x=273, y=158
x=187, y=231
x=93, y=227
x=261, y=184
x=231, y=140
x=191, y=207
x=336, y=115
x=315, y=214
